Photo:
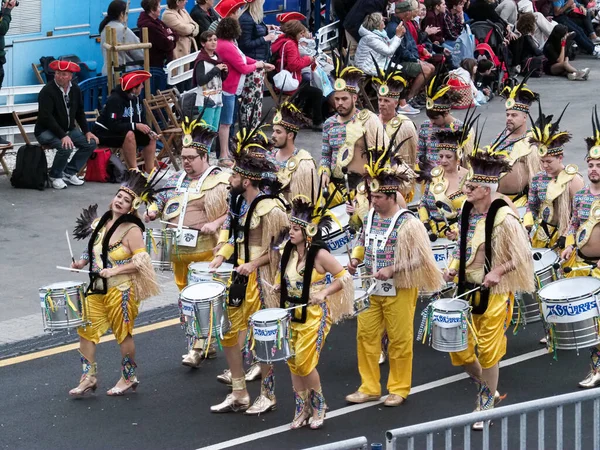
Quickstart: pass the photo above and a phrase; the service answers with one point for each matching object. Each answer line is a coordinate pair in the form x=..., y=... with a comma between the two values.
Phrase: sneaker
x=408, y=110
x=596, y=41
x=4, y=143
x=586, y=73
x=573, y=76
x=58, y=183
x=73, y=179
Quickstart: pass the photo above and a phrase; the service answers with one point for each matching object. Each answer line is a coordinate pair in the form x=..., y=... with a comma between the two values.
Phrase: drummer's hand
x=217, y=248
x=491, y=279
x=150, y=215
x=349, y=208
x=528, y=228
x=384, y=274
x=452, y=235
x=317, y=298
x=107, y=273
x=352, y=265
x=216, y=263
x=209, y=228
x=246, y=269
x=449, y=275
x=566, y=253
x=277, y=288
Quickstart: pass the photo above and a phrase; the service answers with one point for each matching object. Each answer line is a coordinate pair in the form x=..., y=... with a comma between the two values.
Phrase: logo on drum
x=265, y=332
x=188, y=237
x=442, y=318
x=570, y=310
x=334, y=245
x=386, y=287
x=439, y=257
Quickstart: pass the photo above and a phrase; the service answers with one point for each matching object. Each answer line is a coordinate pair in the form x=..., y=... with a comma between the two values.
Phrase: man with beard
x=522, y=154
x=297, y=170
x=194, y=198
x=583, y=239
x=255, y=222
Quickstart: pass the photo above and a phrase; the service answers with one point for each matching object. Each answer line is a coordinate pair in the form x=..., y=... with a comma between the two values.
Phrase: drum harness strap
x=186, y=193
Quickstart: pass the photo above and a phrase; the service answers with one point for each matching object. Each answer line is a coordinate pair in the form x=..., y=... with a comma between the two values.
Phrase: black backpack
x=31, y=169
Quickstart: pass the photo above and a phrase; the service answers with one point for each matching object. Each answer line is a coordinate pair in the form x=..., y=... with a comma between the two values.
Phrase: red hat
x=64, y=66
x=286, y=17
x=133, y=79
x=226, y=7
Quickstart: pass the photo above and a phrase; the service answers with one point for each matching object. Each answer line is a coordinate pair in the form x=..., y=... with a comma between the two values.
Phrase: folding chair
x=4, y=170
x=367, y=96
x=90, y=117
x=38, y=71
x=172, y=97
x=274, y=95
x=163, y=121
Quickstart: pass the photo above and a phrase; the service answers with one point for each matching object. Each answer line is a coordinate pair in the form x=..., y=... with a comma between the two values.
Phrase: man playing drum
x=583, y=239
x=194, y=201
x=255, y=222
x=552, y=190
x=492, y=256
x=395, y=249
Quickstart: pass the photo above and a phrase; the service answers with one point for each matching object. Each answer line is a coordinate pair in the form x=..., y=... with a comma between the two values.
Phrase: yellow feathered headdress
x=346, y=78
x=197, y=134
x=379, y=176
x=390, y=83
x=546, y=135
x=455, y=140
x=440, y=96
x=519, y=97
x=593, y=142
x=487, y=163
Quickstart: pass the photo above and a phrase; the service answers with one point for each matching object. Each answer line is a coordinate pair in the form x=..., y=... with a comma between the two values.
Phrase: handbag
x=284, y=80
x=237, y=290
x=97, y=165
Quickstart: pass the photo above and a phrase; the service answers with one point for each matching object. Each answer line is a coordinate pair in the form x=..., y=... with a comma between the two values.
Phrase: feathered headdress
x=489, y=162
x=389, y=83
x=142, y=189
x=346, y=78
x=455, y=140
x=546, y=135
x=290, y=117
x=593, y=142
x=519, y=97
x=83, y=224
x=440, y=96
x=197, y=134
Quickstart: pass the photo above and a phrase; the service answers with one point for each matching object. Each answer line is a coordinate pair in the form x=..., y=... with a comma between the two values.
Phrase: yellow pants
x=575, y=261
x=117, y=310
x=541, y=240
x=308, y=339
x=239, y=316
x=491, y=338
x=182, y=261
x=395, y=315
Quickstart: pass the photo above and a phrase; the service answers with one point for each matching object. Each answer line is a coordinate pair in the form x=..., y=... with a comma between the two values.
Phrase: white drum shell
x=267, y=325
x=448, y=328
x=199, y=272
x=63, y=317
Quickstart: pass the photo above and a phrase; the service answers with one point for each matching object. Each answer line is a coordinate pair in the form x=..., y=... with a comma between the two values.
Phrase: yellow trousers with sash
x=181, y=261
x=576, y=261
x=396, y=316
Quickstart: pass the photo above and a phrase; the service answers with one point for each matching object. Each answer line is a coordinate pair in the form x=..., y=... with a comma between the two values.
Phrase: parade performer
x=552, y=190
x=297, y=168
x=121, y=276
x=304, y=264
x=255, y=220
x=493, y=254
x=395, y=249
x=523, y=155
x=583, y=239
x=443, y=197
x=194, y=198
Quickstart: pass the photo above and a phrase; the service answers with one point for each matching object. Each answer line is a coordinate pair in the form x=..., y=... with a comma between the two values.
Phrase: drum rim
x=570, y=299
x=76, y=284
x=262, y=311
x=160, y=230
x=451, y=310
x=194, y=285
x=224, y=268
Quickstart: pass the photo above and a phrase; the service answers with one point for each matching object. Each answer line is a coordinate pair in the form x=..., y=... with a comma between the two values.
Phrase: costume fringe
x=215, y=202
x=144, y=280
x=341, y=304
x=272, y=226
x=300, y=181
x=414, y=265
x=532, y=160
x=408, y=151
x=375, y=133
x=562, y=211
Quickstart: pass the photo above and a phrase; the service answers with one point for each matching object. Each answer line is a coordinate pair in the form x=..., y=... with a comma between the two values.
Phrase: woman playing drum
x=121, y=275
x=304, y=264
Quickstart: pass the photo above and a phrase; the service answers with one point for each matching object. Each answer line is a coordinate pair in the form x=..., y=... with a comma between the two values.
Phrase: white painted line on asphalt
x=353, y=408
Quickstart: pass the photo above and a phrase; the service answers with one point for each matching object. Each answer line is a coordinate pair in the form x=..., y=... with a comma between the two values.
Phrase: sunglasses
x=471, y=187
x=189, y=158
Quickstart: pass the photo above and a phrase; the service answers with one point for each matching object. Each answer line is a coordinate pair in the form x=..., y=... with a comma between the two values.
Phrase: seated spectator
x=209, y=73
x=355, y=17
x=485, y=78
x=204, y=15
x=530, y=54
x=511, y=11
x=375, y=45
x=436, y=10
x=454, y=20
x=116, y=19
x=162, y=37
x=466, y=74
x=60, y=111
x=557, y=61
x=572, y=15
x=121, y=124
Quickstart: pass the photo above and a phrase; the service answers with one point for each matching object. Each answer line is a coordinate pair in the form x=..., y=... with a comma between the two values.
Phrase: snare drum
x=336, y=238
x=442, y=250
x=570, y=310
x=361, y=297
x=360, y=270
x=159, y=245
x=63, y=305
x=203, y=312
x=199, y=272
x=271, y=335
x=449, y=324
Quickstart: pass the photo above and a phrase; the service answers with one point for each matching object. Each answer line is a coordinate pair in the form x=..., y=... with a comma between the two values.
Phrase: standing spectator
x=178, y=19
x=355, y=18
x=5, y=18
x=557, y=61
x=254, y=42
x=209, y=73
x=162, y=37
x=204, y=15
x=375, y=45
x=572, y=15
x=116, y=18
x=436, y=10
x=60, y=111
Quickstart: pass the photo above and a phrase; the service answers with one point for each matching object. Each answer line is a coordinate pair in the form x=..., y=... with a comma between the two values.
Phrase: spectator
x=573, y=16
x=308, y=97
x=209, y=73
x=530, y=54
x=307, y=46
x=238, y=65
x=121, y=123
x=482, y=10
x=374, y=44
x=420, y=13
x=355, y=17
x=60, y=111
x=204, y=15
x=436, y=10
x=255, y=42
x=466, y=74
x=454, y=21
x=393, y=23
x=485, y=78
x=178, y=19
x=510, y=11
x=557, y=61
x=5, y=19
x=116, y=19
x=162, y=37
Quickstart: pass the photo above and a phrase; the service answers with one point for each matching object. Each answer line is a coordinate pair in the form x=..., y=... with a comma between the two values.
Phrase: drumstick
x=69, y=244
x=573, y=269
x=72, y=270
x=175, y=224
x=468, y=292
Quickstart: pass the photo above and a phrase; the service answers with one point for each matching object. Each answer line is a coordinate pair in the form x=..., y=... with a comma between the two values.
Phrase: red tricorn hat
x=226, y=7
x=286, y=17
x=133, y=79
x=64, y=66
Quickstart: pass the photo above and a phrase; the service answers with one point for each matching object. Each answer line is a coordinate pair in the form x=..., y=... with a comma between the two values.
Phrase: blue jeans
x=79, y=159
x=581, y=35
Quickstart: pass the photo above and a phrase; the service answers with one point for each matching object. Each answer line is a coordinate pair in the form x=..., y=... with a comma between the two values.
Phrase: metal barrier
x=445, y=426
x=348, y=444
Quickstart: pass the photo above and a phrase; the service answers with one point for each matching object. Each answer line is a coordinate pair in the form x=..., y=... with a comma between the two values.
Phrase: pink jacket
x=230, y=55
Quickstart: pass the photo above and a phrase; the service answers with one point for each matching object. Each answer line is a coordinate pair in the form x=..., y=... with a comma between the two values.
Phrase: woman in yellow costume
x=304, y=264
x=121, y=275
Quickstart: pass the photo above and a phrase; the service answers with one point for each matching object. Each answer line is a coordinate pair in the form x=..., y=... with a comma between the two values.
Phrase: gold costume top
x=585, y=217
x=297, y=175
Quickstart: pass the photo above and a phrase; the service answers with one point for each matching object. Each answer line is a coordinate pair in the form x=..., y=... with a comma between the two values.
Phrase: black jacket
x=121, y=112
x=203, y=19
x=252, y=42
x=52, y=111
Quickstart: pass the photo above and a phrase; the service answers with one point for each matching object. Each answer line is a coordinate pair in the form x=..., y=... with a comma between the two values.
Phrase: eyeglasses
x=471, y=187
x=189, y=158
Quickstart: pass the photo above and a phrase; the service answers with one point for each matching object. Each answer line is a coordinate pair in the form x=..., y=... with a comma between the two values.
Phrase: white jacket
x=372, y=44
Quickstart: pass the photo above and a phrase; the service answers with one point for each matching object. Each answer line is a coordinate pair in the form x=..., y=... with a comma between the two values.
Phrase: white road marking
x=353, y=408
